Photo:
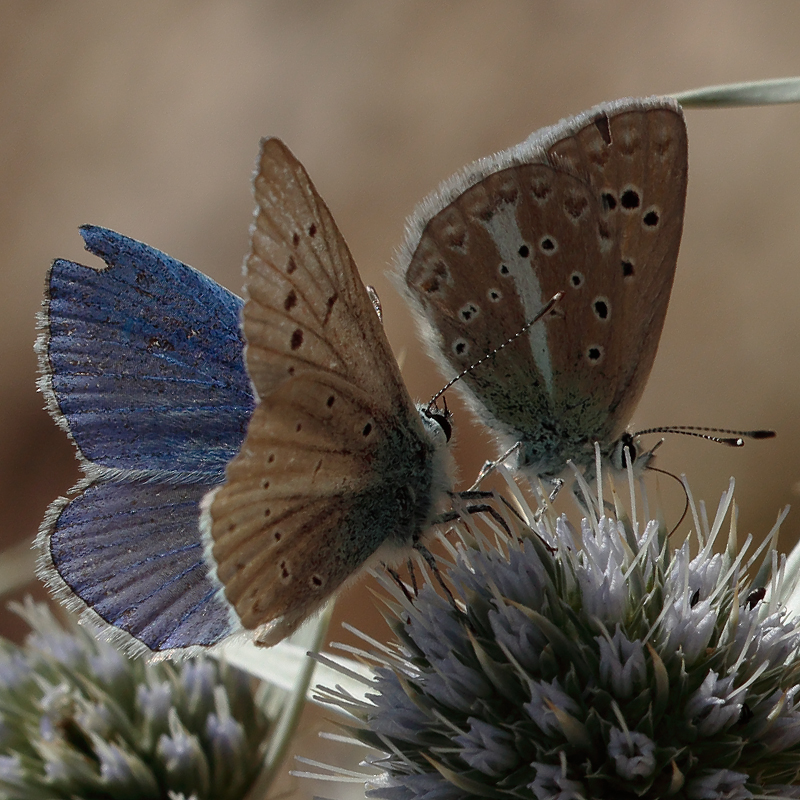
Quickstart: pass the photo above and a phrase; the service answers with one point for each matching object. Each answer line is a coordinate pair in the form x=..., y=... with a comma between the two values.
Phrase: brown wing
x=306, y=307
x=595, y=212
x=637, y=163
x=335, y=462
x=283, y=522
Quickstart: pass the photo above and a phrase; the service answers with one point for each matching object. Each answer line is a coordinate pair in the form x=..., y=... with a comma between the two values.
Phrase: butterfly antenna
x=735, y=439
x=545, y=310
x=685, y=495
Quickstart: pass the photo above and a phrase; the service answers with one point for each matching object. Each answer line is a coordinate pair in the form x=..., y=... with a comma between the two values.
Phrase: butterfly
x=243, y=461
x=593, y=207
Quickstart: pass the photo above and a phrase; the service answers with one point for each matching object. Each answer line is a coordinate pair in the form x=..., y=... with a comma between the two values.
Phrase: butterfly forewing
x=307, y=308
x=592, y=207
x=635, y=165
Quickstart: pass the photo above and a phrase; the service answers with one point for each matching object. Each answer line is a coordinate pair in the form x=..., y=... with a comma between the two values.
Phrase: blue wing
x=132, y=553
x=142, y=364
x=143, y=360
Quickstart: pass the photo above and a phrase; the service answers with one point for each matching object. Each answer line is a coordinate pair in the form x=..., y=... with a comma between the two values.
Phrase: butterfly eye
x=443, y=420
x=626, y=452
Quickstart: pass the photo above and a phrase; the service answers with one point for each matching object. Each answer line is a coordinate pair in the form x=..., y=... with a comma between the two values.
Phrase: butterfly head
x=435, y=420
x=629, y=453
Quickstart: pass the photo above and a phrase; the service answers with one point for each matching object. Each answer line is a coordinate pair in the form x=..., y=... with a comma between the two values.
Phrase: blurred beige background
x=145, y=118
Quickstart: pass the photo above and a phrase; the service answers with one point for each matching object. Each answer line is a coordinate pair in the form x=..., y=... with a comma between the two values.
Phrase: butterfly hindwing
x=321, y=483
x=131, y=552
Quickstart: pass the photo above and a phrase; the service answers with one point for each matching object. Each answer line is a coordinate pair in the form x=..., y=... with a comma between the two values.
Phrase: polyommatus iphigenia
x=593, y=207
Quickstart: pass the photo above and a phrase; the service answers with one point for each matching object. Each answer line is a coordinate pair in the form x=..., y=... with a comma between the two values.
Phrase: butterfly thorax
x=547, y=458
x=416, y=469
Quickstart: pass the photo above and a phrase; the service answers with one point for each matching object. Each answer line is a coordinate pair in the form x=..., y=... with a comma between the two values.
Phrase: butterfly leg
x=483, y=508
x=394, y=575
x=412, y=573
x=434, y=568
x=491, y=466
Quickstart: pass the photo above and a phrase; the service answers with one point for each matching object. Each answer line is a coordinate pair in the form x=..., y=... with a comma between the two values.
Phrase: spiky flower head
x=79, y=719
x=604, y=662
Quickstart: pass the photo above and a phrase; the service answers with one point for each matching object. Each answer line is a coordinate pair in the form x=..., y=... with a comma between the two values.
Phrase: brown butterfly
x=593, y=207
x=338, y=469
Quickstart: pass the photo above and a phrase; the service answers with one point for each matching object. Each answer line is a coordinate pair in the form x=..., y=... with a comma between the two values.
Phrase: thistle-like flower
x=605, y=662
x=78, y=719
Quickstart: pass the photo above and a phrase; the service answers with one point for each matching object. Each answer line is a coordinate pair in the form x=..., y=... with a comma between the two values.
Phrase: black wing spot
x=267, y=512
x=285, y=568
x=576, y=280
x=548, y=245
x=316, y=581
x=469, y=311
x=297, y=339
x=367, y=430
x=291, y=301
x=630, y=199
x=312, y=230
x=330, y=401
x=609, y=201
x=460, y=347
x=265, y=484
x=603, y=128
x=503, y=269
x=298, y=427
x=331, y=302
x=601, y=308
x=651, y=218
x=291, y=265
x=524, y=251
x=495, y=295
x=295, y=239
x=594, y=354
x=270, y=458
x=627, y=269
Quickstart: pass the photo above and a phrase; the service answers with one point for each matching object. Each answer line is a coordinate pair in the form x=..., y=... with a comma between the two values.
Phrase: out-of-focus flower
x=604, y=662
x=78, y=719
